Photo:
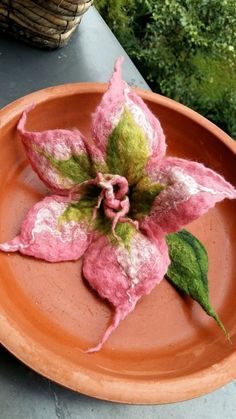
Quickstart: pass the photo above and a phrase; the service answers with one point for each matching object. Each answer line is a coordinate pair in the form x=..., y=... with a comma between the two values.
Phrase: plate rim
x=99, y=385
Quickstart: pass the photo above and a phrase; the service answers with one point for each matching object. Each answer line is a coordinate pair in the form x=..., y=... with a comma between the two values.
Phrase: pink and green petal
x=142, y=197
x=125, y=133
x=123, y=275
x=59, y=156
x=127, y=149
x=190, y=190
x=150, y=124
x=45, y=235
x=108, y=112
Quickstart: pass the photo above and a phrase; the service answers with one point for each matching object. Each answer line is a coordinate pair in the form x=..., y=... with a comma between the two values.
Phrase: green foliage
x=186, y=49
x=189, y=268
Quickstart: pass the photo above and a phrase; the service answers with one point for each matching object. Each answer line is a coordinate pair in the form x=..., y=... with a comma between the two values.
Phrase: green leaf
x=188, y=270
x=127, y=149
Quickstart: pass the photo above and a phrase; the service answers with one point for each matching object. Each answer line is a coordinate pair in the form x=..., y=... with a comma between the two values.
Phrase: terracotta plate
x=168, y=349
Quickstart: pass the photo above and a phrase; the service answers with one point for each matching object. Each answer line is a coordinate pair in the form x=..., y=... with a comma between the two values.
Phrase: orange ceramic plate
x=168, y=349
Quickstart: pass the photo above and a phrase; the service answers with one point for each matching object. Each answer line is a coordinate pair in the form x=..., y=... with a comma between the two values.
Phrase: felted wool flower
x=116, y=196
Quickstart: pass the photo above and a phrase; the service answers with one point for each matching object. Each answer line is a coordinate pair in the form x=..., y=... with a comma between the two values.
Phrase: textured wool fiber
x=59, y=156
x=117, y=196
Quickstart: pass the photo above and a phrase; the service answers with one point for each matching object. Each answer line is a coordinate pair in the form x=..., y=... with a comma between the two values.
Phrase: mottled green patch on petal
x=126, y=232
x=83, y=209
x=127, y=149
x=101, y=223
x=142, y=197
x=76, y=168
x=98, y=167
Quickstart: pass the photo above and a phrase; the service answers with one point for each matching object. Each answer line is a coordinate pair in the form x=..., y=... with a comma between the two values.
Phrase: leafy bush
x=186, y=49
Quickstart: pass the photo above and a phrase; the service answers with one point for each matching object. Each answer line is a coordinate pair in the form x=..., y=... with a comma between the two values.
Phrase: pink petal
x=191, y=189
x=123, y=276
x=108, y=114
x=43, y=237
x=59, y=144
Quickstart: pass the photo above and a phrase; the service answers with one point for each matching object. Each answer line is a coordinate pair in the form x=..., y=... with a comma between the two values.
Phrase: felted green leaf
x=143, y=196
x=127, y=149
x=188, y=270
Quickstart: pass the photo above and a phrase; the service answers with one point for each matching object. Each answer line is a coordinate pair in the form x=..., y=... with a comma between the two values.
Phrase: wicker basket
x=42, y=23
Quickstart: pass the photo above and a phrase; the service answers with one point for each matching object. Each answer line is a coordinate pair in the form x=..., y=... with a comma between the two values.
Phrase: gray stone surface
x=23, y=393
x=26, y=395
x=89, y=56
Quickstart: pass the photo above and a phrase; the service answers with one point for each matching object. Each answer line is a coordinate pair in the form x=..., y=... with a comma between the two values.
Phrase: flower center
x=114, y=197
